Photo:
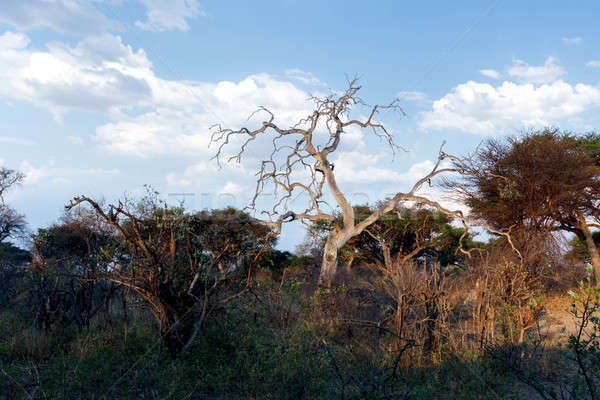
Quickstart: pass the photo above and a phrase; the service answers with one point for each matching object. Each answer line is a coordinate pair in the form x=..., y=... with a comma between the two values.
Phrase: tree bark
x=387, y=256
x=169, y=329
x=521, y=335
x=329, y=262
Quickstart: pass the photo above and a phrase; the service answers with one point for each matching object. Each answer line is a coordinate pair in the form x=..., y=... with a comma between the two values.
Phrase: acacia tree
x=63, y=281
x=183, y=266
x=534, y=185
x=300, y=163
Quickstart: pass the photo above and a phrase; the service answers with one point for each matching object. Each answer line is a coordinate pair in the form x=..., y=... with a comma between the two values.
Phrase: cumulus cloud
x=103, y=74
x=484, y=109
x=152, y=134
x=192, y=174
x=81, y=17
x=154, y=117
x=99, y=74
x=526, y=73
x=180, y=123
x=166, y=15
x=360, y=168
x=150, y=116
x=490, y=73
x=65, y=16
x=573, y=40
x=233, y=189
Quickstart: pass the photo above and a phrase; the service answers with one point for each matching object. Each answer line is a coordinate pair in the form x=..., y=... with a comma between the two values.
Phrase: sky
x=100, y=97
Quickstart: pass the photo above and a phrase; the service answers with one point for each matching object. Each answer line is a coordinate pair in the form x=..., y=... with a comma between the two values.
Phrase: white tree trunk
x=329, y=263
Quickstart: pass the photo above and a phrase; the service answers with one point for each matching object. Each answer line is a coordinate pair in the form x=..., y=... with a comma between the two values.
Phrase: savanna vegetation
x=401, y=299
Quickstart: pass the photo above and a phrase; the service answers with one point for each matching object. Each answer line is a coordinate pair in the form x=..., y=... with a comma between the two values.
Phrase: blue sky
x=101, y=97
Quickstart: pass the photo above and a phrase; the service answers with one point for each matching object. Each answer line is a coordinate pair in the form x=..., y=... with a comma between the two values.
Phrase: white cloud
x=359, y=168
x=99, y=74
x=81, y=17
x=308, y=78
x=490, y=73
x=165, y=15
x=593, y=64
x=180, y=123
x=151, y=116
x=154, y=133
x=104, y=75
x=411, y=96
x=233, y=189
x=483, y=109
x=51, y=173
x=573, y=40
x=66, y=16
x=192, y=174
x=526, y=73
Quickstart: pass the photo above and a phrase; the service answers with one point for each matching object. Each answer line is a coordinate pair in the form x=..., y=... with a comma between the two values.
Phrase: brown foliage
x=540, y=182
x=532, y=186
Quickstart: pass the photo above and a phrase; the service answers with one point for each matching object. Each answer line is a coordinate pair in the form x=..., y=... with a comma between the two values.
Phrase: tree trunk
x=169, y=329
x=400, y=317
x=591, y=247
x=350, y=261
x=521, y=335
x=329, y=263
x=387, y=257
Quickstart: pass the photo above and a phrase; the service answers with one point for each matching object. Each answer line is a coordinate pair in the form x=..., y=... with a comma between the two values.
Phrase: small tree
x=184, y=266
x=64, y=282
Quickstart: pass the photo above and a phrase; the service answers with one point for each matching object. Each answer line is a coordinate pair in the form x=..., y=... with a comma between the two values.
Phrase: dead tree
x=300, y=163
